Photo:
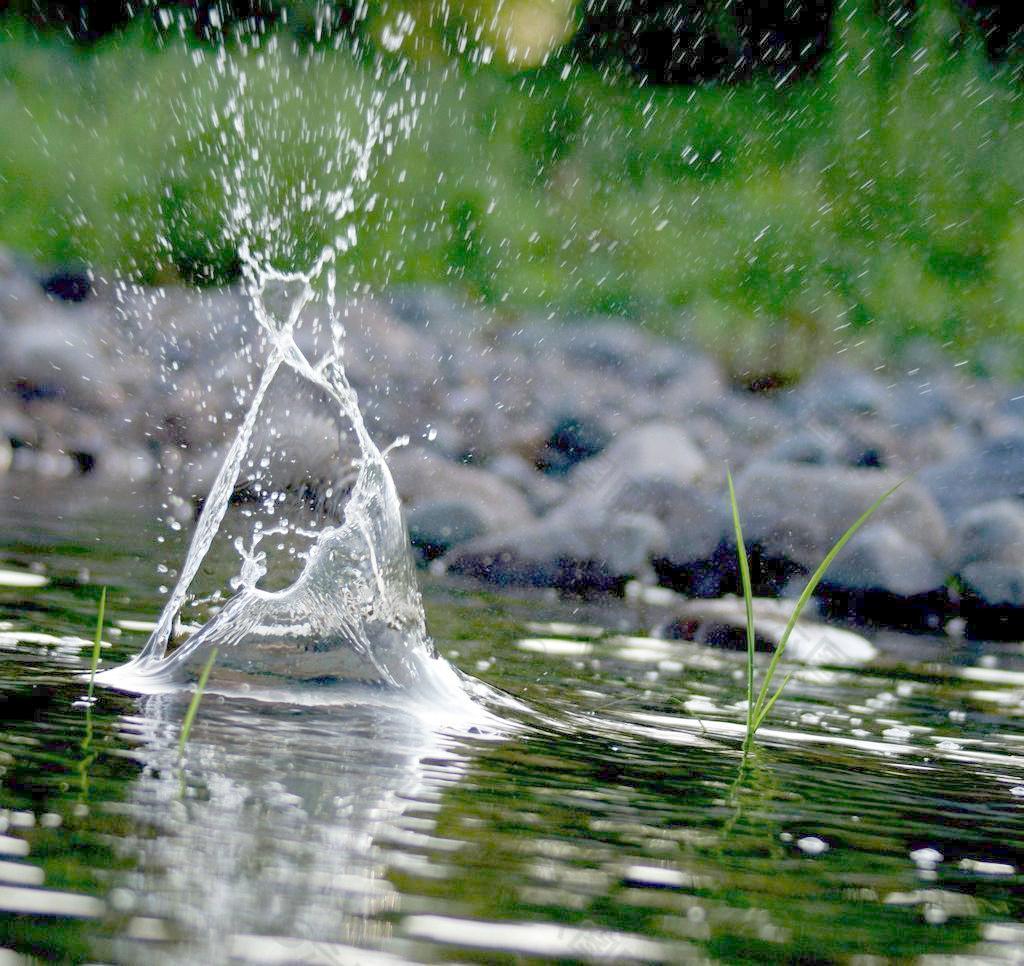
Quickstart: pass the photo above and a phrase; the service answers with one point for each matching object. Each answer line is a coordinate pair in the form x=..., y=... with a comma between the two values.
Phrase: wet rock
x=993, y=470
x=793, y=514
x=993, y=532
x=573, y=554
x=722, y=623
x=989, y=561
x=884, y=576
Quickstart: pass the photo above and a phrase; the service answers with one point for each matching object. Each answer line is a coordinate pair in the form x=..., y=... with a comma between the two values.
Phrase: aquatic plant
x=193, y=706
x=96, y=642
x=757, y=710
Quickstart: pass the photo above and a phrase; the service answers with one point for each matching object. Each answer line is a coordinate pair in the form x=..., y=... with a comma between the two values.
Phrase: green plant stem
x=757, y=711
x=764, y=704
x=96, y=642
x=193, y=708
x=748, y=599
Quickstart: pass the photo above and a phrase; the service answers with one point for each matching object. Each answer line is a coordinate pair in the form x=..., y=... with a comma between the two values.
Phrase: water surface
x=883, y=813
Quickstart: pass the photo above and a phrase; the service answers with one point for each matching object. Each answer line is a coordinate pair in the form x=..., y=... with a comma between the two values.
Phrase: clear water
x=883, y=813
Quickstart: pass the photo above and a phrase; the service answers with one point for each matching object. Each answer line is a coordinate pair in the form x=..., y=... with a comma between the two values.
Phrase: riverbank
x=579, y=455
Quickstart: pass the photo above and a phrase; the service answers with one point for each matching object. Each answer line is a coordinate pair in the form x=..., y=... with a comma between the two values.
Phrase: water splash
x=354, y=613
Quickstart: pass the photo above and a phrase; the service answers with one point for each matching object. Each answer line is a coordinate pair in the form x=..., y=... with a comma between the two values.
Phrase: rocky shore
x=577, y=455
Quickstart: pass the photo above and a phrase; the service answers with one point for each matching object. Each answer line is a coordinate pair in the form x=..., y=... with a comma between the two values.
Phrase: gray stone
x=647, y=469
x=60, y=356
x=994, y=470
x=996, y=585
x=423, y=478
x=993, y=533
x=580, y=555
x=886, y=559
x=437, y=526
x=884, y=576
x=542, y=491
x=793, y=514
x=695, y=530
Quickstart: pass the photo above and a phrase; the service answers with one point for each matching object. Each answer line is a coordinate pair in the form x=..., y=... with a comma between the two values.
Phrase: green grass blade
x=96, y=641
x=748, y=599
x=193, y=707
x=812, y=584
x=775, y=697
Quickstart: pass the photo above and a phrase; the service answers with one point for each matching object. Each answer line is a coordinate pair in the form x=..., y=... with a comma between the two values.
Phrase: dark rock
x=577, y=555
x=573, y=438
x=68, y=283
x=793, y=514
x=884, y=576
x=994, y=470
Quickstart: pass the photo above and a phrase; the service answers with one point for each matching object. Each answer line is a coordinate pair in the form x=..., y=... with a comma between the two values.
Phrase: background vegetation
x=867, y=184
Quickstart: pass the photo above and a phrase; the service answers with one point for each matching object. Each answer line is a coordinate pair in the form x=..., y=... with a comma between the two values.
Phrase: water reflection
x=276, y=838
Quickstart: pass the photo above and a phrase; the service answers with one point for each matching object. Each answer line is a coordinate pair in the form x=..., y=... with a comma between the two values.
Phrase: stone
x=989, y=563
x=541, y=491
x=884, y=576
x=647, y=469
x=693, y=561
x=793, y=514
x=437, y=526
x=423, y=478
x=60, y=356
x=577, y=555
x=573, y=438
x=723, y=622
x=992, y=532
x=993, y=470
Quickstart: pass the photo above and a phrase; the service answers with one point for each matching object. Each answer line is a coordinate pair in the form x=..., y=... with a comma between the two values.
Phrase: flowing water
x=610, y=820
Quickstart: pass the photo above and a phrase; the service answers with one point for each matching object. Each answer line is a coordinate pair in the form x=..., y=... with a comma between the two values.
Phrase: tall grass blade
x=764, y=704
x=96, y=642
x=193, y=707
x=748, y=599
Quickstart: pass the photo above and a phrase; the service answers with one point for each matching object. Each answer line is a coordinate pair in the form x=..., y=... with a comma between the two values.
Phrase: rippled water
x=883, y=813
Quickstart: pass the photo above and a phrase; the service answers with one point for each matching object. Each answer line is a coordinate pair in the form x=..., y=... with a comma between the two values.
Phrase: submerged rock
x=723, y=623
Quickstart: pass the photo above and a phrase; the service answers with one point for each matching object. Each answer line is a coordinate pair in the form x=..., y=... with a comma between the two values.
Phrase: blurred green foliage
x=880, y=198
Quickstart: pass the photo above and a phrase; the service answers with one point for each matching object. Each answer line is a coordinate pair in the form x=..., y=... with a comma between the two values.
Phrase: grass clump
x=758, y=708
